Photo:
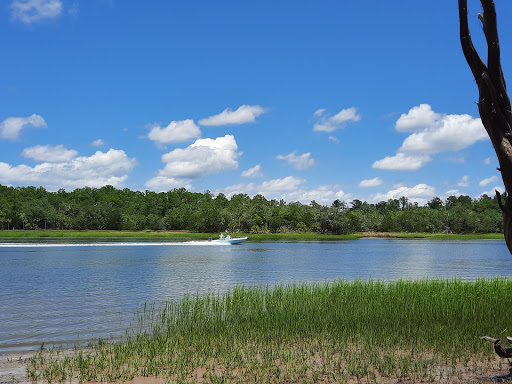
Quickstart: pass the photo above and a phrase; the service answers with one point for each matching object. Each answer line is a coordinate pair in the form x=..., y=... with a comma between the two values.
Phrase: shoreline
x=186, y=235
x=13, y=367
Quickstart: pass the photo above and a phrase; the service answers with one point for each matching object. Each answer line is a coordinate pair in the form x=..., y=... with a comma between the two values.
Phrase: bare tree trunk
x=493, y=103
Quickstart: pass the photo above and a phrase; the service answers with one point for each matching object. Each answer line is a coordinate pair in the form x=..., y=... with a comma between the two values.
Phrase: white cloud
x=450, y=133
x=464, y=182
x=487, y=161
x=94, y=171
x=453, y=192
x=289, y=183
x=238, y=188
x=319, y=112
x=417, y=118
x=327, y=123
x=492, y=192
x=163, y=183
x=402, y=162
x=300, y=162
x=335, y=139
x=420, y=193
x=253, y=172
x=30, y=11
x=175, y=132
x=98, y=143
x=244, y=114
x=434, y=133
x=324, y=194
x=10, y=128
x=489, y=180
x=371, y=183
x=202, y=158
x=57, y=154
x=290, y=189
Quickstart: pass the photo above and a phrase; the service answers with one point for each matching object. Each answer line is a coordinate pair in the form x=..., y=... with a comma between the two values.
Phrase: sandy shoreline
x=13, y=371
x=13, y=368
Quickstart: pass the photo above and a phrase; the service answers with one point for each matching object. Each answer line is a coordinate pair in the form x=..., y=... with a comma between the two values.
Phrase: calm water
x=58, y=294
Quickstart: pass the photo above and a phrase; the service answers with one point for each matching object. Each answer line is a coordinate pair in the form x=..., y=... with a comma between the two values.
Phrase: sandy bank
x=13, y=368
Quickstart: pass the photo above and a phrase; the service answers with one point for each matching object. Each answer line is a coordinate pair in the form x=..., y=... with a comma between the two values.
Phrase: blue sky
x=296, y=100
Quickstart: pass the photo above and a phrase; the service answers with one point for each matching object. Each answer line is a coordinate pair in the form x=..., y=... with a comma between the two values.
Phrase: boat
x=229, y=240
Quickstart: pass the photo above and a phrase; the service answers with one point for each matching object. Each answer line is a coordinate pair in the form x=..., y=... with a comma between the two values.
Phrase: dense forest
x=178, y=209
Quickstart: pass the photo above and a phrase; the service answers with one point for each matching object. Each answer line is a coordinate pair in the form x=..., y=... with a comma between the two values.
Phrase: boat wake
x=110, y=244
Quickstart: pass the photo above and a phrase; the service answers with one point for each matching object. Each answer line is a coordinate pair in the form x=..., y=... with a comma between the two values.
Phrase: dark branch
x=499, y=92
x=475, y=63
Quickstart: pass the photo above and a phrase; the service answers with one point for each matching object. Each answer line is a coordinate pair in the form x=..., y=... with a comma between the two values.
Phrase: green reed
x=328, y=331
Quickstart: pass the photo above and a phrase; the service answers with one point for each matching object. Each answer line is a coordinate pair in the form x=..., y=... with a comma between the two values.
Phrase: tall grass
x=309, y=332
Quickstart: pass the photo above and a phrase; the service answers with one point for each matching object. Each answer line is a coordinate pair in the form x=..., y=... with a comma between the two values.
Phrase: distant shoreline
x=186, y=235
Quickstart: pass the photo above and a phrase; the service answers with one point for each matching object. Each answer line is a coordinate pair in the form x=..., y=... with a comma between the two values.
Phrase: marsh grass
x=170, y=235
x=435, y=236
x=186, y=235
x=302, y=333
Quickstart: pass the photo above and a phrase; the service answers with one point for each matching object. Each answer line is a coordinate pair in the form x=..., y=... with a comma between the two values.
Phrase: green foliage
x=108, y=208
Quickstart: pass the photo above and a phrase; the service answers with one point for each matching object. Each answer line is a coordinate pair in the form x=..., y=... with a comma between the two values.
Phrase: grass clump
x=302, y=332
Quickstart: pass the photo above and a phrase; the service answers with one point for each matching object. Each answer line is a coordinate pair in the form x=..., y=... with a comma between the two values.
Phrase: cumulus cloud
x=371, y=183
x=290, y=189
x=238, y=188
x=299, y=162
x=30, y=11
x=175, y=132
x=324, y=194
x=433, y=133
x=464, y=182
x=450, y=133
x=418, y=118
x=328, y=123
x=244, y=114
x=420, y=193
x=95, y=171
x=163, y=183
x=288, y=183
x=253, y=172
x=492, y=192
x=57, y=154
x=202, y=158
x=98, y=143
x=10, y=128
x=487, y=161
x=402, y=162
x=487, y=181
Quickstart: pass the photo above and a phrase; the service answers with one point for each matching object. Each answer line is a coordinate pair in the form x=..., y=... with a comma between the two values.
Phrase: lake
x=59, y=293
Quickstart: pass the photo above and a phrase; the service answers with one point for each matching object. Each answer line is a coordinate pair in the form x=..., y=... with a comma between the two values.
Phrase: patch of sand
x=13, y=371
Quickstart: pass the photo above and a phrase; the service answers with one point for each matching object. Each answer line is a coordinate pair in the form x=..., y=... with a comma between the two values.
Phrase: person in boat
x=228, y=237
x=222, y=236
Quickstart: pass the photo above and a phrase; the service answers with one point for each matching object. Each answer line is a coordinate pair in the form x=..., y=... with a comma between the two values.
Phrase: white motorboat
x=229, y=240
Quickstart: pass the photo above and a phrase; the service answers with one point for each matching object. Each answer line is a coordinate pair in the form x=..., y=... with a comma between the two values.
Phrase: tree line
x=108, y=208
